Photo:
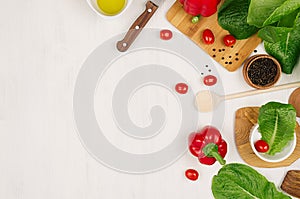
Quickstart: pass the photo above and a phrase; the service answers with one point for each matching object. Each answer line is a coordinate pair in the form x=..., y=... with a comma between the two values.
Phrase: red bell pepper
x=208, y=146
x=204, y=8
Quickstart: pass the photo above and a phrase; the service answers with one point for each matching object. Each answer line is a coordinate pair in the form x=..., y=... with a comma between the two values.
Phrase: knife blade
x=138, y=25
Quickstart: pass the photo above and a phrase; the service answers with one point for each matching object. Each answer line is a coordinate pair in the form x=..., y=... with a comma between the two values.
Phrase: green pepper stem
x=195, y=19
x=218, y=158
x=211, y=150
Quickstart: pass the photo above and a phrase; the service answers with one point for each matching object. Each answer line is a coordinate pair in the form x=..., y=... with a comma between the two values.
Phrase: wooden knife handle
x=137, y=27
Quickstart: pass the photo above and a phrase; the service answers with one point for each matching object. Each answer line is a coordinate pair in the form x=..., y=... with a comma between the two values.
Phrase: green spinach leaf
x=236, y=181
x=232, y=16
x=277, y=124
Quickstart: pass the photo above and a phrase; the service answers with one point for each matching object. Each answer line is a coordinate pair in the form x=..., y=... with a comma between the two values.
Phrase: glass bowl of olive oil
x=109, y=8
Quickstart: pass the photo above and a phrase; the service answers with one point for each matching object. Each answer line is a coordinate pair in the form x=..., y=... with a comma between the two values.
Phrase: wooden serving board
x=291, y=183
x=245, y=119
x=229, y=57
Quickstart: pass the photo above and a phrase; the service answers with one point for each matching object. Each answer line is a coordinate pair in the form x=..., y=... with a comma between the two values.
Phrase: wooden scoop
x=207, y=100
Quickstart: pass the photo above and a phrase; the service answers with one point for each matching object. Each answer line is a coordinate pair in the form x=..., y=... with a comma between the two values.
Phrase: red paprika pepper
x=208, y=146
x=204, y=8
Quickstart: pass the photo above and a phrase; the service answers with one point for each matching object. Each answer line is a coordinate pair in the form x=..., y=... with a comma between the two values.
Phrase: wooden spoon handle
x=255, y=92
x=137, y=27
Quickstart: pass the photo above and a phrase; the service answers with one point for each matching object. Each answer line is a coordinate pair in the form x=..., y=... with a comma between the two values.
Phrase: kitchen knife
x=138, y=25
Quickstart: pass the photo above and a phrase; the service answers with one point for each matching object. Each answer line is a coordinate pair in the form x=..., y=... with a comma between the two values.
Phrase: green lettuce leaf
x=288, y=20
x=236, y=181
x=260, y=10
x=277, y=123
x=274, y=34
x=286, y=8
x=287, y=50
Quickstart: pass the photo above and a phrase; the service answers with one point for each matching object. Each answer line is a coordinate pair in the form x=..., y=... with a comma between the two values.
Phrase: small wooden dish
x=251, y=66
x=294, y=100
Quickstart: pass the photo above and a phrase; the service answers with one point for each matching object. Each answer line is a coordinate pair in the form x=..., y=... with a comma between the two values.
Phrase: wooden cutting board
x=245, y=119
x=291, y=183
x=229, y=57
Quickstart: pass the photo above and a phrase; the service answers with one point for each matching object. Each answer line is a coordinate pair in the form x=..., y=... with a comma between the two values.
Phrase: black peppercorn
x=262, y=72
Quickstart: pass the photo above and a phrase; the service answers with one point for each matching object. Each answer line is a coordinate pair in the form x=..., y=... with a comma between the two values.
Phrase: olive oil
x=111, y=7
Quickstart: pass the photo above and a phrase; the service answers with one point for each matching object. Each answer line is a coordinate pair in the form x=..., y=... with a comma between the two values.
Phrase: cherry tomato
x=208, y=37
x=166, y=34
x=229, y=40
x=181, y=88
x=261, y=146
x=209, y=80
x=192, y=174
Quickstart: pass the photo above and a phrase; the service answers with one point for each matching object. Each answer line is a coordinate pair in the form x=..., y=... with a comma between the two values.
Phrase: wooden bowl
x=261, y=71
x=294, y=100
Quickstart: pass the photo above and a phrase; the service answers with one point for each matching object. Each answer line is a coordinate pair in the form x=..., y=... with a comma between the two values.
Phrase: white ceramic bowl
x=278, y=157
x=93, y=5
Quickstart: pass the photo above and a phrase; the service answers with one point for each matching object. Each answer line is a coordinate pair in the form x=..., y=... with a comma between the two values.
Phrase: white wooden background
x=42, y=47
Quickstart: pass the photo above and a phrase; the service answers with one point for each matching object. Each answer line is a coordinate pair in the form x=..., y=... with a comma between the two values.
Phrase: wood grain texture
x=291, y=183
x=229, y=57
x=245, y=119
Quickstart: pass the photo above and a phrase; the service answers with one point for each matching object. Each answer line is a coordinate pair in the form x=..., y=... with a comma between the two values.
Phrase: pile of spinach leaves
x=279, y=21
